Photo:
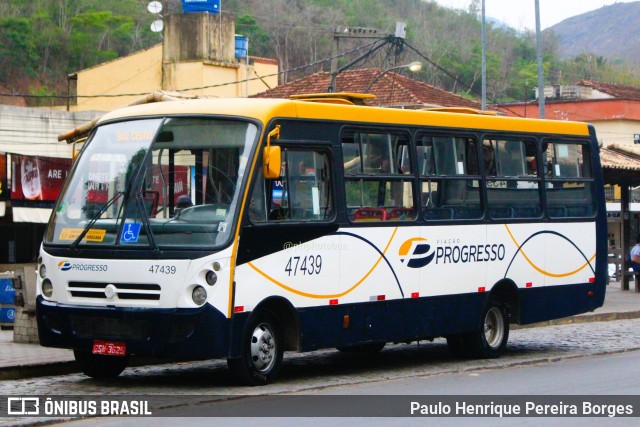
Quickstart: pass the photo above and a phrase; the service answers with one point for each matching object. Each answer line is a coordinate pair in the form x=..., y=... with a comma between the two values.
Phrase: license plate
x=109, y=348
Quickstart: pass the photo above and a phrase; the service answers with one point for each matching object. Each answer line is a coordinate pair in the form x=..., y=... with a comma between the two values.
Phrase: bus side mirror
x=75, y=152
x=271, y=162
x=272, y=156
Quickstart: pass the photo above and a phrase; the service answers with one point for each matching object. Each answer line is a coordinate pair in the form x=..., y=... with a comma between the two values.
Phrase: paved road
x=308, y=373
x=611, y=374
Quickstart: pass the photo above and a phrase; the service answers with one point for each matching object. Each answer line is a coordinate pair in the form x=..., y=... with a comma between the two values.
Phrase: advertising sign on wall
x=4, y=191
x=37, y=178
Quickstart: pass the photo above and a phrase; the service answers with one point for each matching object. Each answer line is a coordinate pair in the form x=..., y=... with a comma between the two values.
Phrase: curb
x=583, y=318
x=61, y=368
x=40, y=370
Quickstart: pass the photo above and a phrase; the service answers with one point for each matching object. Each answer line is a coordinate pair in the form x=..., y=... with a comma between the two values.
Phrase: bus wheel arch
x=287, y=317
x=500, y=308
x=271, y=329
x=490, y=338
x=506, y=292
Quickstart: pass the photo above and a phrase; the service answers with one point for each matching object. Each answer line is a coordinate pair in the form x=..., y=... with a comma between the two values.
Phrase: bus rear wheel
x=487, y=342
x=99, y=366
x=262, y=351
x=490, y=341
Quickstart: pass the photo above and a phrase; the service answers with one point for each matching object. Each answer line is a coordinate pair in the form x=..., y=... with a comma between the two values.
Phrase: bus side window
x=570, y=186
x=450, y=177
x=513, y=184
x=257, y=203
x=302, y=192
x=377, y=175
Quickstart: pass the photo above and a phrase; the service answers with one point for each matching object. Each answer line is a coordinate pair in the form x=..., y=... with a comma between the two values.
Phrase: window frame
x=511, y=182
x=470, y=139
x=385, y=180
x=297, y=146
x=589, y=182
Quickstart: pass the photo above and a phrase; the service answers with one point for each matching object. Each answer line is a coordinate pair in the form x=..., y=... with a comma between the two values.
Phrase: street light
x=414, y=67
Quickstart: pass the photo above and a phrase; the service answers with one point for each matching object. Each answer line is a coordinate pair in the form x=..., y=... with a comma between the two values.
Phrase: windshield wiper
x=102, y=210
x=146, y=222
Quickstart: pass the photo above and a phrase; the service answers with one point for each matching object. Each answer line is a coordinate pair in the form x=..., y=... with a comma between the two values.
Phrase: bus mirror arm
x=271, y=158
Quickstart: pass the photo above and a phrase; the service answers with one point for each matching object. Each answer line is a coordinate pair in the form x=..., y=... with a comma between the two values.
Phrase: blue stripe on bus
x=547, y=232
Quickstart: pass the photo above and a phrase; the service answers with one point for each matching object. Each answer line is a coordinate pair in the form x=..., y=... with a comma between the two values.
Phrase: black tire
x=262, y=351
x=491, y=339
x=99, y=366
x=368, y=348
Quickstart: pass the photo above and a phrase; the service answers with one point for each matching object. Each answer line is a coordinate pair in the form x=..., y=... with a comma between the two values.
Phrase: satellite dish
x=157, y=26
x=154, y=7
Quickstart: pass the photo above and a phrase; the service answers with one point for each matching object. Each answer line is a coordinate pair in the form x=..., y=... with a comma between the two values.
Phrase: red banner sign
x=180, y=181
x=97, y=185
x=4, y=191
x=37, y=178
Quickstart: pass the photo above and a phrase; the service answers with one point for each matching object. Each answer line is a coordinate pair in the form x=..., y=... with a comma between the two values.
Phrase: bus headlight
x=43, y=271
x=211, y=278
x=199, y=295
x=47, y=288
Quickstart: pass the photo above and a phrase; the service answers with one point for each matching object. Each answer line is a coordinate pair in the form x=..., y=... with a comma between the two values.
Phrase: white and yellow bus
x=240, y=229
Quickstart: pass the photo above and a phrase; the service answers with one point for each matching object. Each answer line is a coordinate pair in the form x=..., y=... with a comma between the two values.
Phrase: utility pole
x=334, y=52
x=541, y=107
x=484, y=59
x=342, y=33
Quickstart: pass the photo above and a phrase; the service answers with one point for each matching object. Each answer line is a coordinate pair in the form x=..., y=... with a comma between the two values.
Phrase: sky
x=521, y=14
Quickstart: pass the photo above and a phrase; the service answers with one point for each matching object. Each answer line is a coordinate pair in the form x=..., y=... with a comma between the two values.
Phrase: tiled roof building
x=614, y=91
x=391, y=89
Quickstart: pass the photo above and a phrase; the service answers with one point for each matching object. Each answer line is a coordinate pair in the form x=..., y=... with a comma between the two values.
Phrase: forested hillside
x=609, y=32
x=42, y=41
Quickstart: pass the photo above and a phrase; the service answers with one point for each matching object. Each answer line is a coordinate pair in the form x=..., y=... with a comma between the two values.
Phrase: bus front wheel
x=262, y=351
x=99, y=366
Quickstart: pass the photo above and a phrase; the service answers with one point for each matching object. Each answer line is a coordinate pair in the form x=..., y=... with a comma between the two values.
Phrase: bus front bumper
x=199, y=333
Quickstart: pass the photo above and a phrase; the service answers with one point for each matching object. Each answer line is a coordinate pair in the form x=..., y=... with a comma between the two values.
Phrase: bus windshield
x=155, y=183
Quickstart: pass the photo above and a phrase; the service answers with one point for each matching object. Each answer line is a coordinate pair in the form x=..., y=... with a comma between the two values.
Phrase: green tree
x=18, y=56
x=258, y=38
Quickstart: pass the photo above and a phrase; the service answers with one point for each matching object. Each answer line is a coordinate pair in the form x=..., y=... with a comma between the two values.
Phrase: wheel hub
x=263, y=348
x=494, y=327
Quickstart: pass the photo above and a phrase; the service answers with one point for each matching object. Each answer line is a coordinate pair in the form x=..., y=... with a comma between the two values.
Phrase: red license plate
x=109, y=348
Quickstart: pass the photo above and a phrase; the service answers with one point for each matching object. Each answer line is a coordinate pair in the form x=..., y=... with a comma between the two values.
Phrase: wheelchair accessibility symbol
x=130, y=232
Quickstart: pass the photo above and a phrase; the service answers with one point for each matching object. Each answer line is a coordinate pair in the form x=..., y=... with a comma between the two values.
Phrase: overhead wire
x=455, y=78
x=371, y=45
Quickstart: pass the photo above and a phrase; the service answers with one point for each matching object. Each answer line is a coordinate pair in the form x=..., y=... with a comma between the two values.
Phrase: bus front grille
x=115, y=291
x=103, y=327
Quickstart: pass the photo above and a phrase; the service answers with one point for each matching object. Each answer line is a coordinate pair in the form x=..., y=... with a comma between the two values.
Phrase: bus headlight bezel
x=199, y=295
x=47, y=288
x=211, y=277
x=43, y=271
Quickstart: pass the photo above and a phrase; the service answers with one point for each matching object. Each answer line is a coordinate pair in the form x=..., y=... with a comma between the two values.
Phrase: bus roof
x=267, y=109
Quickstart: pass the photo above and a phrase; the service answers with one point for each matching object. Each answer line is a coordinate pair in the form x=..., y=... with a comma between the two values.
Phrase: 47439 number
x=304, y=265
x=162, y=269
